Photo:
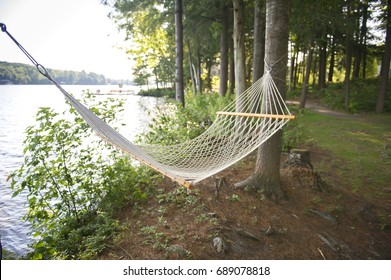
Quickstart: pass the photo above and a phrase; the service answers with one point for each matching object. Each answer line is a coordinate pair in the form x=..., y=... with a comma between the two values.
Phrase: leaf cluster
x=172, y=123
x=73, y=182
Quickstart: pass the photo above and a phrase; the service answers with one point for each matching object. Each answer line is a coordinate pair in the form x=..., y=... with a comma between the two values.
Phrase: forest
x=330, y=41
x=21, y=74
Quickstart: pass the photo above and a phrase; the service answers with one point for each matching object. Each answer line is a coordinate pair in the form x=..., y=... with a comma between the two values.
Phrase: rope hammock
x=239, y=129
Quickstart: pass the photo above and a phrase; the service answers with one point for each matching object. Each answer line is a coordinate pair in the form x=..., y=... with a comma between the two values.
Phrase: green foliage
x=292, y=136
x=363, y=96
x=173, y=124
x=179, y=197
x=73, y=182
x=158, y=92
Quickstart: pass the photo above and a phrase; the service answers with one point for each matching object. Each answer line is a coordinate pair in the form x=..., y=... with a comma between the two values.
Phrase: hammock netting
x=238, y=130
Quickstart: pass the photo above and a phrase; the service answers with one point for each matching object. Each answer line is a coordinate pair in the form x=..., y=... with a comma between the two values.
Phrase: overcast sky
x=64, y=34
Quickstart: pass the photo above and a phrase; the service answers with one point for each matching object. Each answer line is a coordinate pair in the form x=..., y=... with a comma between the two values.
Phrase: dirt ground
x=325, y=222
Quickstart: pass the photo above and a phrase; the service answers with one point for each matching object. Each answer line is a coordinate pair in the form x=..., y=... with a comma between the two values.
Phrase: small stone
x=178, y=251
x=212, y=215
x=219, y=245
x=269, y=231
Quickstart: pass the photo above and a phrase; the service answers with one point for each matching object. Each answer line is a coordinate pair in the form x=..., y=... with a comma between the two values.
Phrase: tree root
x=262, y=184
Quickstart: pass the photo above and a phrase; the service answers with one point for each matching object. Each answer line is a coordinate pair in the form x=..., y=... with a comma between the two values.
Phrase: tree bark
x=239, y=51
x=224, y=51
x=199, y=72
x=179, y=88
x=192, y=74
x=332, y=61
x=322, y=66
x=259, y=39
x=348, y=53
x=385, y=66
x=231, y=69
x=296, y=71
x=307, y=77
x=361, y=42
x=292, y=67
x=267, y=168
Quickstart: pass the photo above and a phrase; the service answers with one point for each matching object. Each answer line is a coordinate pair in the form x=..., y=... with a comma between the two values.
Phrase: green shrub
x=363, y=96
x=74, y=181
x=158, y=92
x=172, y=124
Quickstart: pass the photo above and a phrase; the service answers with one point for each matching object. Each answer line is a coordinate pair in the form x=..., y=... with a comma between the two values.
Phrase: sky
x=64, y=34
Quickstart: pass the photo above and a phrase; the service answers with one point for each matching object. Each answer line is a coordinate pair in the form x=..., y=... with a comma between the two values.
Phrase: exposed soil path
x=314, y=105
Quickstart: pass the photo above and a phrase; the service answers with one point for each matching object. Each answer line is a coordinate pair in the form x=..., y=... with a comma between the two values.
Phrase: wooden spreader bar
x=255, y=115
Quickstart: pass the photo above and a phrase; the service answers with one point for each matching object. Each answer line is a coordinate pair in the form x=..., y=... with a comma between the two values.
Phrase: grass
x=360, y=149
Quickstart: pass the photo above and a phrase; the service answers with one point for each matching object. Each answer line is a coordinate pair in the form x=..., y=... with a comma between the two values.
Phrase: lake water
x=18, y=106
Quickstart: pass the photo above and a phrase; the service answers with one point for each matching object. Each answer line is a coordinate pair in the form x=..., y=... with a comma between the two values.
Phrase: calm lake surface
x=18, y=106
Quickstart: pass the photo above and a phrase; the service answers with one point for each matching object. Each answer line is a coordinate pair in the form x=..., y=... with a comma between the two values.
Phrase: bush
x=172, y=124
x=72, y=186
x=363, y=96
x=158, y=92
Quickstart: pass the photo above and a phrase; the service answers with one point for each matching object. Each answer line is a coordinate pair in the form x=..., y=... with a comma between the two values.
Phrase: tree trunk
x=314, y=69
x=239, y=51
x=332, y=61
x=307, y=77
x=179, y=88
x=192, y=74
x=301, y=70
x=385, y=66
x=199, y=72
x=224, y=51
x=292, y=69
x=296, y=71
x=208, y=76
x=259, y=39
x=231, y=70
x=267, y=168
x=322, y=66
x=348, y=53
x=361, y=41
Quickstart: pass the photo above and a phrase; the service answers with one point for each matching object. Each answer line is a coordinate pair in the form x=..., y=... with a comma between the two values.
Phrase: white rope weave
x=231, y=137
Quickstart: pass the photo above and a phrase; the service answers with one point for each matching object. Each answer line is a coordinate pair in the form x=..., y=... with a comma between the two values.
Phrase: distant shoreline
x=25, y=74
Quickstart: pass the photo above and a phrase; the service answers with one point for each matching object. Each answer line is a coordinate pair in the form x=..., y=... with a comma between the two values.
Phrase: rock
x=219, y=245
x=213, y=215
x=247, y=234
x=325, y=216
x=269, y=231
x=177, y=251
x=298, y=158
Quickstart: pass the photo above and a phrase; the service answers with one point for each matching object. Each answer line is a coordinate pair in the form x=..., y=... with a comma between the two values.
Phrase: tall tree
x=239, y=48
x=385, y=66
x=348, y=50
x=361, y=41
x=179, y=88
x=306, y=76
x=224, y=49
x=259, y=39
x=267, y=169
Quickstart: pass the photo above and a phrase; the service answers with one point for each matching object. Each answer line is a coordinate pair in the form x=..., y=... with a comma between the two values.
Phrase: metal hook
x=3, y=27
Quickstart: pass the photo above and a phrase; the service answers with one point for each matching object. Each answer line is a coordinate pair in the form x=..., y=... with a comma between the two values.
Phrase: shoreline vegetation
x=25, y=74
x=120, y=195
